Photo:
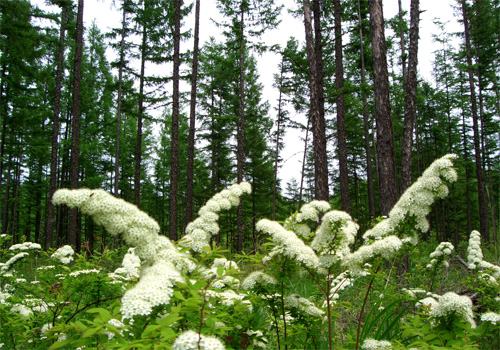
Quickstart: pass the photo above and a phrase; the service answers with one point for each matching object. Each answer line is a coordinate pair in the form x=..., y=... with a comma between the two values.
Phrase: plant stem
x=328, y=310
x=283, y=311
x=363, y=308
x=275, y=321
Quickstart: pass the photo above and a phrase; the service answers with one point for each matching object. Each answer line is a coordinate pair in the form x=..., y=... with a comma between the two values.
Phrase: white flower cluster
x=492, y=317
x=8, y=265
x=155, y=287
x=199, y=231
x=191, y=340
x=428, y=302
x=288, y=244
x=475, y=257
x=116, y=215
x=64, y=254
x=21, y=310
x=131, y=266
x=443, y=250
x=417, y=199
x=162, y=263
x=220, y=281
x=372, y=344
x=229, y=297
x=44, y=330
x=257, y=278
x=308, y=212
x=259, y=342
x=25, y=246
x=115, y=323
x=340, y=283
x=84, y=272
x=333, y=238
x=303, y=304
x=474, y=251
x=159, y=256
x=453, y=304
x=385, y=247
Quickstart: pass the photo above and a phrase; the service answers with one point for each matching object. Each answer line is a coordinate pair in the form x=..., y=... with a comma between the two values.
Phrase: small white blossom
x=452, y=303
x=443, y=250
x=305, y=305
x=25, y=246
x=84, y=272
x=291, y=245
x=22, y=310
x=191, y=340
x=417, y=199
x=64, y=254
x=199, y=232
x=8, y=265
x=492, y=317
x=372, y=344
x=257, y=278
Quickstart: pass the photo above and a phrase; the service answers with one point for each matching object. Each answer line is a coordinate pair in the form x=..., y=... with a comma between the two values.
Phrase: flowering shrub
x=308, y=286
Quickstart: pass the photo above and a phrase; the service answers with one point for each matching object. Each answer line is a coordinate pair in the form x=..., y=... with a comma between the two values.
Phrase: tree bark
x=481, y=190
x=119, y=102
x=278, y=138
x=410, y=87
x=241, y=131
x=318, y=120
x=174, y=156
x=192, y=118
x=75, y=135
x=138, y=150
x=366, y=127
x=385, y=143
x=49, y=236
x=341, y=128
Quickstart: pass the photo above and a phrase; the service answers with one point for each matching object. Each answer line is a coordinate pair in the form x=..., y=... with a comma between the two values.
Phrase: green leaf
x=103, y=313
x=150, y=330
x=179, y=295
x=60, y=344
x=170, y=319
x=220, y=271
x=91, y=331
x=198, y=285
x=168, y=333
x=430, y=337
x=80, y=325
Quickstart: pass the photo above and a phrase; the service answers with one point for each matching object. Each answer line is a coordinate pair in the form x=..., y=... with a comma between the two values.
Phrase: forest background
x=74, y=116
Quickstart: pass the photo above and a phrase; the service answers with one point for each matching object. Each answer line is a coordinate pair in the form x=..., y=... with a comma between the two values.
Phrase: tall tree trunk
x=481, y=190
x=410, y=87
x=3, y=111
x=119, y=102
x=341, y=128
x=75, y=135
x=138, y=150
x=402, y=43
x=366, y=126
x=49, y=235
x=174, y=156
x=304, y=159
x=466, y=163
x=318, y=121
x=192, y=117
x=385, y=143
x=278, y=139
x=240, y=156
x=15, y=199
x=5, y=214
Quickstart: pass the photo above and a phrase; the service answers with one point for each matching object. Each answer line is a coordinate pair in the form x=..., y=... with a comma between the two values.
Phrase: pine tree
x=385, y=143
